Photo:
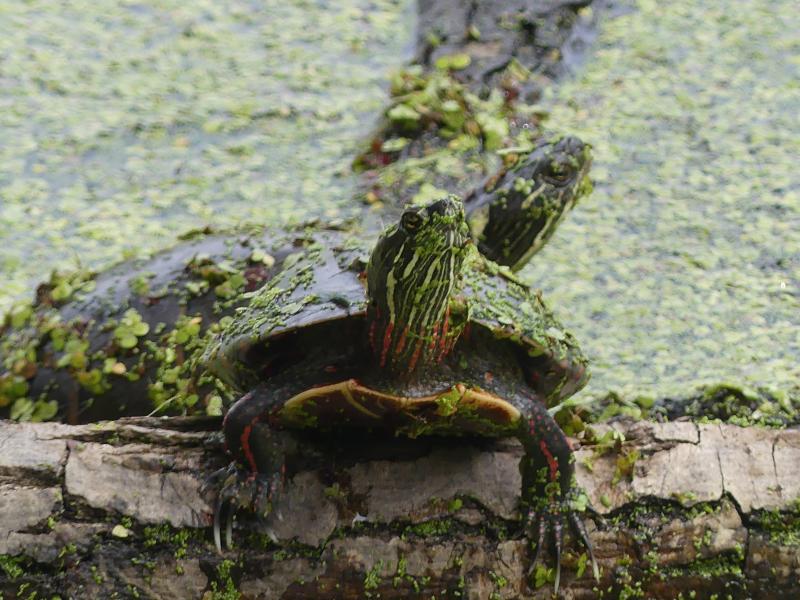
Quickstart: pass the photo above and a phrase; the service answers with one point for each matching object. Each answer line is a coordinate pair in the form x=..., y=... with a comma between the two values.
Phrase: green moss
x=701, y=508
x=685, y=498
x=671, y=276
x=224, y=587
x=447, y=404
x=704, y=541
x=625, y=464
x=432, y=528
x=437, y=103
x=175, y=538
x=782, y=527
x=627, y=585
x=97, y=577
x=729, y=565
x=400, y=573
x=730, y=403
x=12, y=566
x=498, y=581
x=543, y=576
x=372, y=579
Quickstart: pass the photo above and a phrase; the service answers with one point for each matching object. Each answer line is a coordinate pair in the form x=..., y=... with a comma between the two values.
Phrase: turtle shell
x=513, y=312
x=304, y=336
x=322, y=282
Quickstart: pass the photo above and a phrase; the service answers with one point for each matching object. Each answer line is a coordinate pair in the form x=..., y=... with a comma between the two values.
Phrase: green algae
x=782, y=527
x=224, y=587
x=683, y=269
x=439, y=135
x=11, y=566
x=122, y=126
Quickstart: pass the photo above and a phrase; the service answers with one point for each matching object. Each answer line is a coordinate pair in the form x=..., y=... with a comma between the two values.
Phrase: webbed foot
x=549, y=521
x=240, y=488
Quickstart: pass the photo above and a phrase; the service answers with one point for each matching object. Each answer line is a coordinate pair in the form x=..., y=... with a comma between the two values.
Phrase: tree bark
x=116, y=508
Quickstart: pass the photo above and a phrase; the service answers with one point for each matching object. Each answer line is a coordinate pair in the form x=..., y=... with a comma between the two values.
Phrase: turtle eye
x=411, y=220
x=557, y=172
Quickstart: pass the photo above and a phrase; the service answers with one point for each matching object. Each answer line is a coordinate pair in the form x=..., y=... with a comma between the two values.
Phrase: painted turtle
x=63, y=358
x=517, y=210
x=431, y=338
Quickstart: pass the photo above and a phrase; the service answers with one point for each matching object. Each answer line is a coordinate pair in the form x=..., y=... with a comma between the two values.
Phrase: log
x=115, y=509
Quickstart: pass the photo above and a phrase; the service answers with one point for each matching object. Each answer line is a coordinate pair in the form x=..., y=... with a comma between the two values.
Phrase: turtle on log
x=123, y=342
x=425, y=337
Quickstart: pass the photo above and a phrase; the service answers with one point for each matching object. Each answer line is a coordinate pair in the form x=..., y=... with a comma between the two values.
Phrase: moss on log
x=116, y=510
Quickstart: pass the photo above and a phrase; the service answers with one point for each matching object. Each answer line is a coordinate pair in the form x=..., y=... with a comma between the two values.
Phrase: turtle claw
x=548, y=520
x=551, y=520
x=541, y=527
x=240, y=488
x=558, y=539
x=579, y=528
x=223, y=514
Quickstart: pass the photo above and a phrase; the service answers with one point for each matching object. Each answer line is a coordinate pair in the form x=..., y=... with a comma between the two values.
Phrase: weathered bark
x=390, y=519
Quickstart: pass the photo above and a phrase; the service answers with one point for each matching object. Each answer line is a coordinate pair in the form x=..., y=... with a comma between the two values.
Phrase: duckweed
x=208, y=112
x=683, y=269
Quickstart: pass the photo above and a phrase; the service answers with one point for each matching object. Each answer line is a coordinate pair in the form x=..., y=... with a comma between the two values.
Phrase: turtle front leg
x=549, y=490
x=255, y=477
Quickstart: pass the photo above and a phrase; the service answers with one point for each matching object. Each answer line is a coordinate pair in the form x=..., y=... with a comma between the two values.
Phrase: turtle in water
x=64, y=356
x=430, y=338
x=517, y=210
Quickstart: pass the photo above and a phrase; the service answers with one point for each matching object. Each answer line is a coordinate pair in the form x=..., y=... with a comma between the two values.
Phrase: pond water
x=683, y=267
x=124, y=124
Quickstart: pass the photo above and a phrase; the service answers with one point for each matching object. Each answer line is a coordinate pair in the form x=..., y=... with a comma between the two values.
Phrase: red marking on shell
x=387, y=341
x=551, y=461
x=488, y=377
x=330, y=369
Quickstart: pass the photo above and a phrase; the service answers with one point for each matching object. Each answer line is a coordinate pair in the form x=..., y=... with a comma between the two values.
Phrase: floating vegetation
x=683, y=270
x=125, y=125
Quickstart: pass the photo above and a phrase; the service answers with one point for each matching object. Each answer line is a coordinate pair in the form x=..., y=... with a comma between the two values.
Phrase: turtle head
x=514, y=218
x=411, y=275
